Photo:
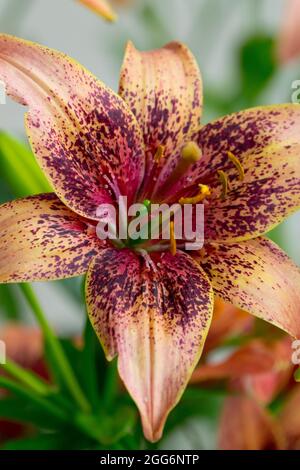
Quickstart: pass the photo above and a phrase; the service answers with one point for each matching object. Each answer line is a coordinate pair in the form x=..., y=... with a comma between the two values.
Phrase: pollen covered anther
x=204, y=192
x=237, y=164
x=159, y=154
x=173, y=244
x=225, y=184
x=191, y=152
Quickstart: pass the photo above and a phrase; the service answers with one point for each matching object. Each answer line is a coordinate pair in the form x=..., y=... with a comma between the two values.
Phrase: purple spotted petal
x=154, y=313
x=84, y=136
x=163, y=88
x=41, y=239
x=266, y=141
x=256, y=276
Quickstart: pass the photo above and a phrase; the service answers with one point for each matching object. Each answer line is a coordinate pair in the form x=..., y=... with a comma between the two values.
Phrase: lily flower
x=151, y=307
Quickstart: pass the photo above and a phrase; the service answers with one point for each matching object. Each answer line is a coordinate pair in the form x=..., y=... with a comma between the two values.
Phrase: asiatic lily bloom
x=289, y=37
x=151, y=308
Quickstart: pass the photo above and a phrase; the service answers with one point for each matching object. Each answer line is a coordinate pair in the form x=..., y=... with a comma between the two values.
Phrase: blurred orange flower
x=289, y=39
x=257, y=372
x=104, y=7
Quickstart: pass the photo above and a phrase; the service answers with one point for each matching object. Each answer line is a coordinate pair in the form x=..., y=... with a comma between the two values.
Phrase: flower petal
x=84, y=136
x=289, y=38
x=256, y=276
x=41, y=239
x=253, y=358
x=101, y=7
x=163, y=88
x=228, y=322
x=266, y=142
x=154, y=313
x=290, y=418
x=245, y=425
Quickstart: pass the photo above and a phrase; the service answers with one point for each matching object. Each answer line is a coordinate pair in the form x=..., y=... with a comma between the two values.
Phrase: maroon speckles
x=163, y=88
x=79, y=130
x=258, y=277
x=41, y=239
x=266, y=142
x=154, y=313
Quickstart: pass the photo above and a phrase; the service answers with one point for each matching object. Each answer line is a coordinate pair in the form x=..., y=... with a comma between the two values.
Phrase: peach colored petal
x=289, y=37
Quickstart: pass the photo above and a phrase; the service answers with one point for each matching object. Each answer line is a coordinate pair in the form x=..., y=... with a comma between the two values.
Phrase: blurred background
x=234, y=42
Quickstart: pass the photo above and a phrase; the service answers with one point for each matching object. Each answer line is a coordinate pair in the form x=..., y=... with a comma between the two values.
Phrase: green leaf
x=196, y=402
x=25, y=412
x=257, y=64
x=108, y=429
x=27, y=396
x=9, y=304
x=19, y=168
x=62, y=440
x=27, y=378
x=92, y=362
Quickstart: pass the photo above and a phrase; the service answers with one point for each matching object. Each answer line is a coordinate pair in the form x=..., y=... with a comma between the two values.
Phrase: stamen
x=159, y=154
x=225, y=184
x=173, y=245
x=204, y=192
x=237, y=164
x=190, y=154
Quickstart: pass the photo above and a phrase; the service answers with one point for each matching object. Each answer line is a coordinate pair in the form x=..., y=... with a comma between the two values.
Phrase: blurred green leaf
x=93, y=365
x=63, y=440
x=19, y=168
x=8, y=302
x=196, y=402
x=257, y=64
x=25, y=412
x=108, y=429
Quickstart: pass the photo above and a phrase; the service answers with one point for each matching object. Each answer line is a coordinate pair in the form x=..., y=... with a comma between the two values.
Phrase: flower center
x=153, y=226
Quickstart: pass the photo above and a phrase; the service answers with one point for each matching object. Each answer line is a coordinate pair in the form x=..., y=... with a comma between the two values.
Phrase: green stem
x=18, y=390
x=111, y=384
x=27, y=378
x=58, y=354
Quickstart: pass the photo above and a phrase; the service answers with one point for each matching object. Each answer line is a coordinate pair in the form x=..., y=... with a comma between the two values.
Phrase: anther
x=191, y=152
x=225, y=184
x=204, y=192
x=173, y=245
x=237, y=164
x=159, y=154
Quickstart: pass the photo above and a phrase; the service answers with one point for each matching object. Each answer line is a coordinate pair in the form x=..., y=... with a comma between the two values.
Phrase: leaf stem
x=27, y=378
x=62, y=363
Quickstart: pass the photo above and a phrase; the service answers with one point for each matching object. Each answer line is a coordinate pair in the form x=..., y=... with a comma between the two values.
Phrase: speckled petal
x=258, y=277
x=266, y=142
x=154, y=313
x=163, y=88
x=84, y=136
x=41, y=239
x=101, y=7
